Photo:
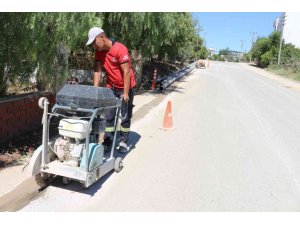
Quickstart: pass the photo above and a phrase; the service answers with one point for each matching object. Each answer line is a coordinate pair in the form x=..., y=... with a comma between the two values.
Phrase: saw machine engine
x=70, y=146
x=68, y=151
x=79, y=156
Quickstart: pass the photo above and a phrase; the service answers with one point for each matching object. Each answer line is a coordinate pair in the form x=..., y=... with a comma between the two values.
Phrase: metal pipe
x=45, y=135
x=115, y=129
x=167, y=82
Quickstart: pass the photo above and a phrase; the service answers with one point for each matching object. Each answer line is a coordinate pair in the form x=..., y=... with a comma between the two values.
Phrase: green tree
x=182, y=44
x=43, y=42
x=275, y=38
x=40, y=42
x=265, y=49
x=290, y=54
x=266, y=58
x=153, y=33
x=55, y=35
x=15, y=49
x=215, y=57
x=203, y=53
x=224, y=52
x=261, y=46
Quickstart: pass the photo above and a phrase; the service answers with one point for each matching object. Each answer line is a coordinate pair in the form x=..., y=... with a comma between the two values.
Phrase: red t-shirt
x=111, y=61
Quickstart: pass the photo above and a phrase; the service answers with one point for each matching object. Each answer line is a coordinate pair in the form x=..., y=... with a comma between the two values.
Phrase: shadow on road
x=173, y=89
x=254, y=65
x=76, y=186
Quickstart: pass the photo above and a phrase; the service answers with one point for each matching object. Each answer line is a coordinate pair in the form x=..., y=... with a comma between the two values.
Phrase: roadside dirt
x=286, y=82
x=18, y=150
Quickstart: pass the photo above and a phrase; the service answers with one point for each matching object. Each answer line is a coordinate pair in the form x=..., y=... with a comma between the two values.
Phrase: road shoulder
x=288, y=83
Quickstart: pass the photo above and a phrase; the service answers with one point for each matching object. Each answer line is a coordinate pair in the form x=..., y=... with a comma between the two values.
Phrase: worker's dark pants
x=126, y=110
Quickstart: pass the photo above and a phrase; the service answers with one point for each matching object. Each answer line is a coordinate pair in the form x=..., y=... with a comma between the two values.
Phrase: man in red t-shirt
x=114, y=58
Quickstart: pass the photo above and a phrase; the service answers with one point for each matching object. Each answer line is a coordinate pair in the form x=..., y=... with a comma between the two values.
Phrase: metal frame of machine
x=43, y=167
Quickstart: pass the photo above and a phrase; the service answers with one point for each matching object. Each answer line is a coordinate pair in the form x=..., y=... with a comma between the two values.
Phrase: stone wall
x=21, y=113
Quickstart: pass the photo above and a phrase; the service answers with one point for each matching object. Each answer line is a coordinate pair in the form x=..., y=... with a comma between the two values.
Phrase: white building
x=289, y=22
x=211, y=51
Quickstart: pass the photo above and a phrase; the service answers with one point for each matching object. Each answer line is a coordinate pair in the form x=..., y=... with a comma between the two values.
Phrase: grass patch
x=285, y=72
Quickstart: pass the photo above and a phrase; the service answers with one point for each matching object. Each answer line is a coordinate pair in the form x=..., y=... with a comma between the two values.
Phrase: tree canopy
x=265, y=50
x=40, y=44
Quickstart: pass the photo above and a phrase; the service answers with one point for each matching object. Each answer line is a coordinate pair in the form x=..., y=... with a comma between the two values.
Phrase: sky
x=234, y=29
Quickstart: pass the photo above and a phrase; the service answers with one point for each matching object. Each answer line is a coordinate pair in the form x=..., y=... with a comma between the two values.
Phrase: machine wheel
x=118, y=164
x=66, y=180
x=41, y=102
x=42, y=181
x=84, y=186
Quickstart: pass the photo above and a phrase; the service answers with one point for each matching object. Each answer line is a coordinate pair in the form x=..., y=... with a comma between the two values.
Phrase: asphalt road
x=235, y=147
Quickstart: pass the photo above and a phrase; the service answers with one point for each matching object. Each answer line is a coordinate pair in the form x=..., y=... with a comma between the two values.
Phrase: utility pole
x=198, y=33
x=240, y=55
x=242, y=41
x=198, y=30
x=281, y=37
x=252, y=45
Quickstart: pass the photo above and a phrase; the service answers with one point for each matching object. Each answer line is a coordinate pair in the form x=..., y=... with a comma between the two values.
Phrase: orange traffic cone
x=168, y=121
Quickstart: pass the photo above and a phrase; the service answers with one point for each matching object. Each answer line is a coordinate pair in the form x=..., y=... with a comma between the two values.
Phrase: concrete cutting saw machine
x=76, y=153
